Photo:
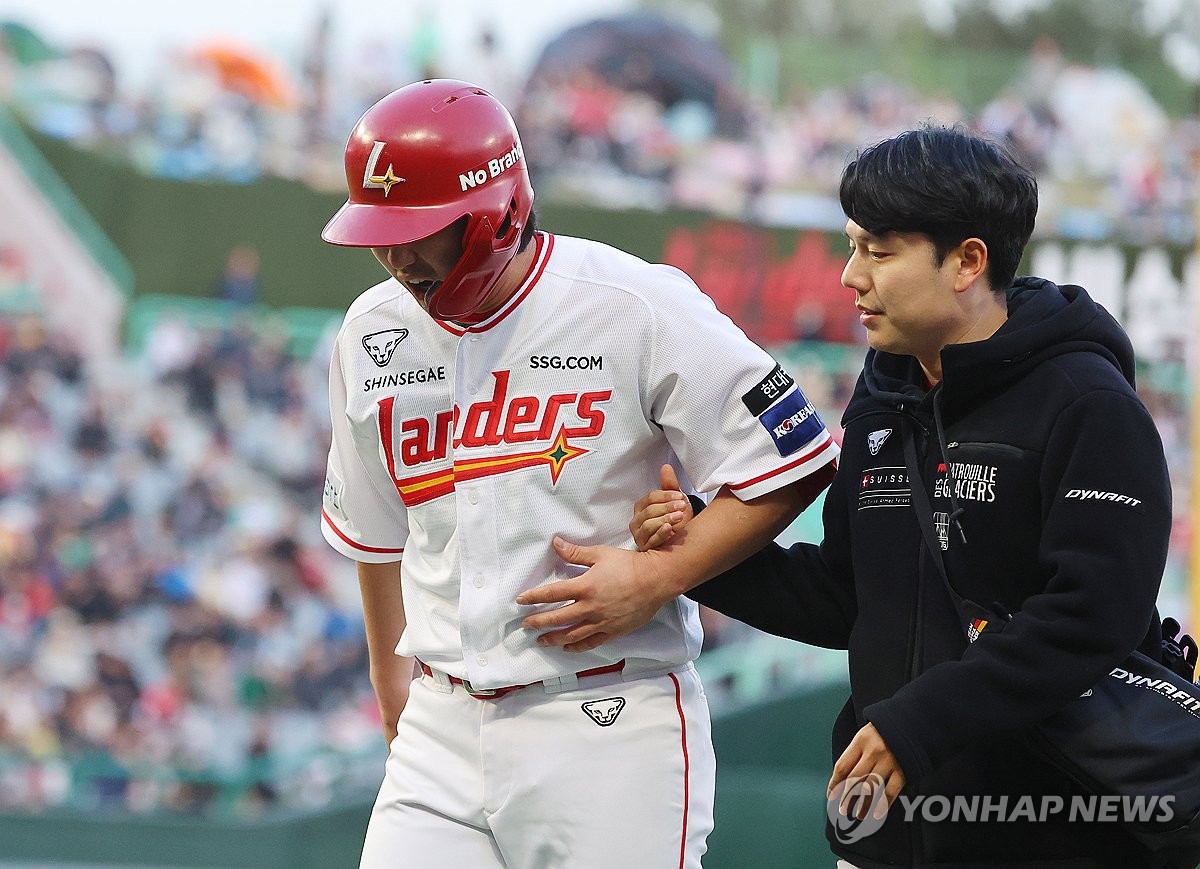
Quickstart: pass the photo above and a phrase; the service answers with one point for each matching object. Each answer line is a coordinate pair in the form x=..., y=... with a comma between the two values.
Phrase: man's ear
x=971, y=261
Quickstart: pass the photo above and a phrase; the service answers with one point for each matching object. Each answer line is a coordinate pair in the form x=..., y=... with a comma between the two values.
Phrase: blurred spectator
x=314, y=72
x=239, y=280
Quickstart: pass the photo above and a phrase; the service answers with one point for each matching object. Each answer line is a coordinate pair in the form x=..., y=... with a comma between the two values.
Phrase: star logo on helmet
x=383, y=182
x=386, y=180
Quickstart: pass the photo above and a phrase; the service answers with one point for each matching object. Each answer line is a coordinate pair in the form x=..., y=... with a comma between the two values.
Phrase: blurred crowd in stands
x=1110, y=160
x=171, y=622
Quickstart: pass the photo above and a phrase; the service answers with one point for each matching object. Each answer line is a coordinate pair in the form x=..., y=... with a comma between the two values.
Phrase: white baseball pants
x=531, y=780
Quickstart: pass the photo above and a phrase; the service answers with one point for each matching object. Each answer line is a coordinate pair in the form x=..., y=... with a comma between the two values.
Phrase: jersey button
x=481, y=661
x=473, y=497
x=478, y=580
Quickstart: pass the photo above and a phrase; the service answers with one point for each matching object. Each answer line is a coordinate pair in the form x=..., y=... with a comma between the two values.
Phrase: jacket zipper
x=912, y=830
x=914, y=849
x=915, y=631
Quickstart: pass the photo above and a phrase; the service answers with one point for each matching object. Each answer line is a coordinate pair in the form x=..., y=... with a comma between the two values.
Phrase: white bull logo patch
x=381, y=345
x=604, y=712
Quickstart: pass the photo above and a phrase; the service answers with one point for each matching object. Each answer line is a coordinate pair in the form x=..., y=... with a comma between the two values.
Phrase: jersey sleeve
x=732, y=414
x=362, y=515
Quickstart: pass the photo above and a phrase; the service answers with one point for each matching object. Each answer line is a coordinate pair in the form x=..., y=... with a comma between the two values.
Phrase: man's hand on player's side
x=392, y=679
x=620, y=592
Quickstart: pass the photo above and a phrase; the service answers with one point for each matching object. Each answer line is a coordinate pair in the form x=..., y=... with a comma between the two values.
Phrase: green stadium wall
x=176, y=234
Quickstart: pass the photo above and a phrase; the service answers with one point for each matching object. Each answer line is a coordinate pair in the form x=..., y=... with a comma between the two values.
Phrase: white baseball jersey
x=462, y=451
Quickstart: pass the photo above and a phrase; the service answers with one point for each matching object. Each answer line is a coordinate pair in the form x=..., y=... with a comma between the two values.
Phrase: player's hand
x=392, y=680
x=867, y=776
x=660, y=514
x=618, y=593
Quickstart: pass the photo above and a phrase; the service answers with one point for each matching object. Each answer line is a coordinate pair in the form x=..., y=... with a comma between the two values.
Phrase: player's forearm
x=383, y=616
x=727, y=532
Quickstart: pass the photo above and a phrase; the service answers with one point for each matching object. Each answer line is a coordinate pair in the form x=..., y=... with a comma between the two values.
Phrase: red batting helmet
x=425, y=156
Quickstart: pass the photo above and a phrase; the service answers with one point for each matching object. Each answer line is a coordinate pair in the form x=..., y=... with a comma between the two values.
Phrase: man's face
x=906, y=300
x=422, y=265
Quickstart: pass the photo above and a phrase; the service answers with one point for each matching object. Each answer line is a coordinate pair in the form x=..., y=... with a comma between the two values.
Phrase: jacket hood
x=1044, y=320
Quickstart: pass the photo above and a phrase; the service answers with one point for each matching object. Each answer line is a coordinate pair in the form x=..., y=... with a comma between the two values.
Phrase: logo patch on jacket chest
x=884, y=487
x=967, y=481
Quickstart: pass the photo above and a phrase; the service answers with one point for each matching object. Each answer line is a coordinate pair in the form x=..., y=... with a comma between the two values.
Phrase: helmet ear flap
x=510, y=227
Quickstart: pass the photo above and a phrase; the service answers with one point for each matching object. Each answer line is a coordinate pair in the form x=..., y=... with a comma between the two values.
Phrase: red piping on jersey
x=338, y=532
x=809, y=456
x=540, y=261
x=687, y=786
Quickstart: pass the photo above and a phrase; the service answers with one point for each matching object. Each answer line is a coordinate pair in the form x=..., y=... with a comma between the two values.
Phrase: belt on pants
x=494, y=693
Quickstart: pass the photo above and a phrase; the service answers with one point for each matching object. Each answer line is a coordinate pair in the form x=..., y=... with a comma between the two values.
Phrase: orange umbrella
x=243, y=71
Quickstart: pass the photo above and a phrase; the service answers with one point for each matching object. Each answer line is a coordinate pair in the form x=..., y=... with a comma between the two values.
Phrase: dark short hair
x=949, y=185
x=527, y=231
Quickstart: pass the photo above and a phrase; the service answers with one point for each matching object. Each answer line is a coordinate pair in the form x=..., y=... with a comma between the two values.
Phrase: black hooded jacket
x=1047, y=478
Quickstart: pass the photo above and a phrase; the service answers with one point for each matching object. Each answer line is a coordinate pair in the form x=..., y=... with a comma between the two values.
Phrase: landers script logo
x=549, y=424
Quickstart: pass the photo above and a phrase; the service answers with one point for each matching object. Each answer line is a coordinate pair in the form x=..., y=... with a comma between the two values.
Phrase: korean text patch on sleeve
x=768, y=390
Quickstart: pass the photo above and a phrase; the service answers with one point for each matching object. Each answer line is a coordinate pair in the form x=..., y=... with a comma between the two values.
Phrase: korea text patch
x=792, y=422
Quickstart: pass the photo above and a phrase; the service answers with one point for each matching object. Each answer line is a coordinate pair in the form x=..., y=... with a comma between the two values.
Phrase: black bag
x=1134, y=735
